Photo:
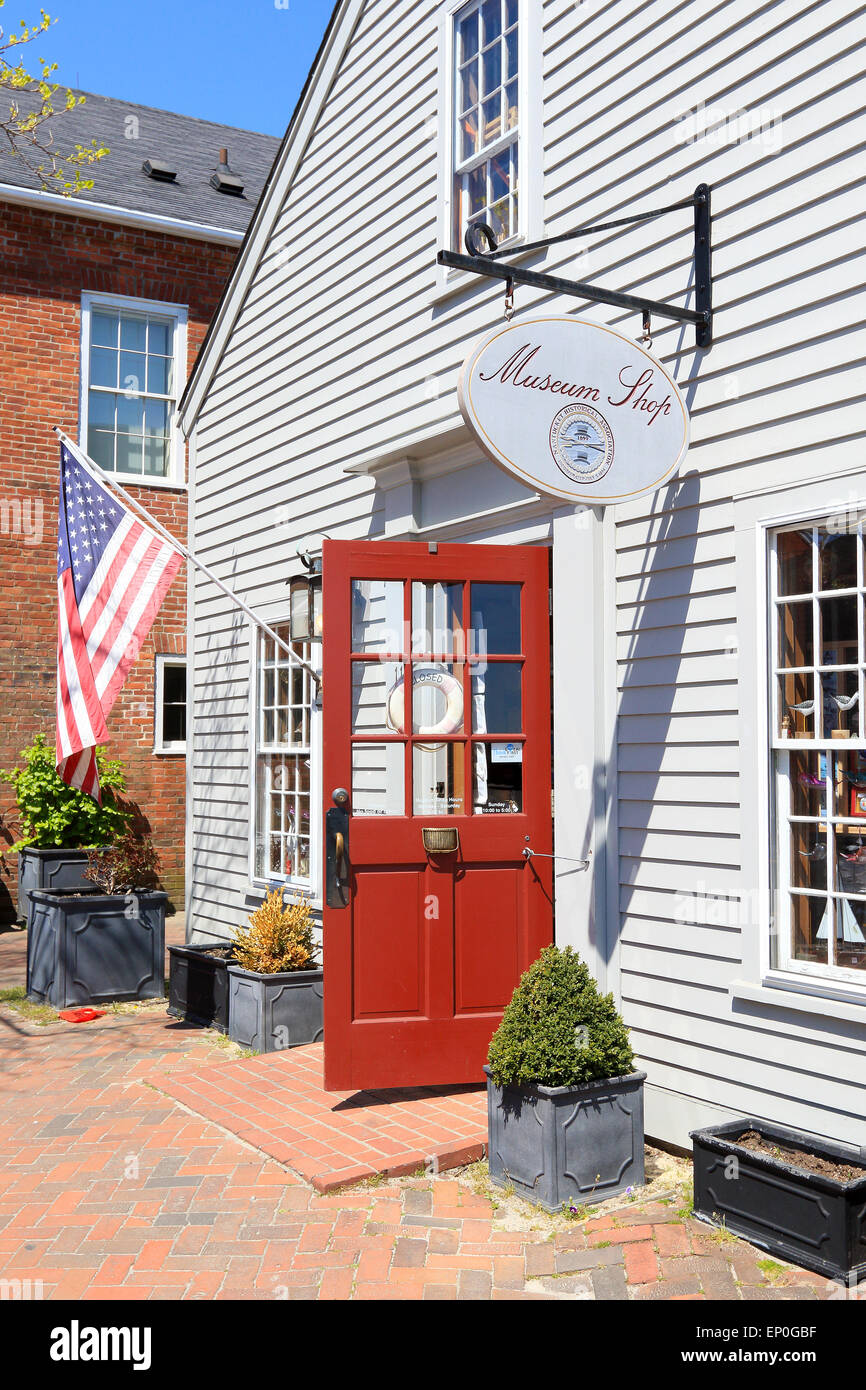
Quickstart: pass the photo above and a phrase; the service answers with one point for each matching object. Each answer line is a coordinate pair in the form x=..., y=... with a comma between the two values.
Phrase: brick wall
x=46, y=261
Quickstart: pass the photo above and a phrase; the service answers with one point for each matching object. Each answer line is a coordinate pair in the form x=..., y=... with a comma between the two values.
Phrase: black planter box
x=268, y=1013
x=198, y=986
x=96, y=948
x=556, y=1144
x=49, y=868
x=804, y=1217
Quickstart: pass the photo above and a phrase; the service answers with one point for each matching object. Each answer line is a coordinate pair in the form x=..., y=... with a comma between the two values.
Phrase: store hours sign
x=574, y=409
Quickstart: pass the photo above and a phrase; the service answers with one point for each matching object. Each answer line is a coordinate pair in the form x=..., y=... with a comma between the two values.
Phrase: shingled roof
x=134, y=134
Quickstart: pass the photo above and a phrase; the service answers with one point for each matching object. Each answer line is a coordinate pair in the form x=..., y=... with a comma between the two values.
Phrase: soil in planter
x=221, y=952
x=799, y=1158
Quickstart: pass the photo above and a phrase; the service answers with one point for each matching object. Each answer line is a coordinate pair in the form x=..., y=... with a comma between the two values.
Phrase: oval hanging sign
x=574, y=409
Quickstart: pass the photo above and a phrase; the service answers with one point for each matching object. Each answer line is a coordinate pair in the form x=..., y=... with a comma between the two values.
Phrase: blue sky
x=240, y=62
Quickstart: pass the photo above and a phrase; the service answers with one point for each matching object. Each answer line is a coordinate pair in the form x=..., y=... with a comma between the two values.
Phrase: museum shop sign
x=574, y=409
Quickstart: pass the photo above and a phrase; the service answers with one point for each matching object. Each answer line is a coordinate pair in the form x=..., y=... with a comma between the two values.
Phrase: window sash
x=282, y=812
x=141, y=343
x=466, y=164
x=161, y=704
x=816, y=830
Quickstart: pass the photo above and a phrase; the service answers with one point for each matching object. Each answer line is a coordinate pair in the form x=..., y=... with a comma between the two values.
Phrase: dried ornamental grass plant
x=279, y=937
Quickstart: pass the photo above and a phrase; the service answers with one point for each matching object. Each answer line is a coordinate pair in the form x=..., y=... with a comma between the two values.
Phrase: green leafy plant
x=279, y=937
x=131, y=863
x=558, y=1030
x=52, y=815
x=27, y=130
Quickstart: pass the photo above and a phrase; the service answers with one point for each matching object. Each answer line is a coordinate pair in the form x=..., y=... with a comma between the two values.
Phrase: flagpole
x=98, y=475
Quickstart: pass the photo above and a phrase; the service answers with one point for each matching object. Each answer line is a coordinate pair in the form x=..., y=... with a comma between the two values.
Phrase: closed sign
x=574, y=410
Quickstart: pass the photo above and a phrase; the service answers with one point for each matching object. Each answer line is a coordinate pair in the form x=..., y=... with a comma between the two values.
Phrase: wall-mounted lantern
x=305, y=602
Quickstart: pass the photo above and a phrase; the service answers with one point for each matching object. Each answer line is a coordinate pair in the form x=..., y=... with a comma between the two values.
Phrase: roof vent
x=223, y=180
x=156, y=169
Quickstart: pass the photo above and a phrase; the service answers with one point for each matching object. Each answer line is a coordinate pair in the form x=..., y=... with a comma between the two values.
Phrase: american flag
x=112, y=575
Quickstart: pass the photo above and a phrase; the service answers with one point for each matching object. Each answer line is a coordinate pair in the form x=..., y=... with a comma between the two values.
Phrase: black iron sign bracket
x=490, y=261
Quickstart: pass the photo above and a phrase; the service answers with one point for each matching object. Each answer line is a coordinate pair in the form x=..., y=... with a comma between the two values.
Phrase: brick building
x=105, y=298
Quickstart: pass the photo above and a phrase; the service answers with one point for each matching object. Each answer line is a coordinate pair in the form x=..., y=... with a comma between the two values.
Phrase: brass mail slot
x=440, y=839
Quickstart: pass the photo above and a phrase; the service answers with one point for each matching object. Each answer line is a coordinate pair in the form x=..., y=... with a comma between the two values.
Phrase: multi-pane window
x=283, y=804
x=487, y=117
x=818, y=664
x=437, y=706
x=131, y=391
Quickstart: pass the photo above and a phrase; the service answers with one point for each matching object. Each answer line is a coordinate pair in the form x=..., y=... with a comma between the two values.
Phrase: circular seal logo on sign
x=581, y=442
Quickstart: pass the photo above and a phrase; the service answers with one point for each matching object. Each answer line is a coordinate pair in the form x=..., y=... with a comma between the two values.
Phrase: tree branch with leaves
x=27, y=134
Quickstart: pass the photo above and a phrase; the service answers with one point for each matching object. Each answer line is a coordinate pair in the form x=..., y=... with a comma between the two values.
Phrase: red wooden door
x=423, y=949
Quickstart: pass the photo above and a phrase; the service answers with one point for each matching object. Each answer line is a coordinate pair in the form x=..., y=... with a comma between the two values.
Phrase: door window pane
x=496, y=698
x=495, y=618
x=378, y=781
x=377, y=697
x=438, y=779
x=437, y=698
x=497, y=778
x=377, y=615
x=437, y=619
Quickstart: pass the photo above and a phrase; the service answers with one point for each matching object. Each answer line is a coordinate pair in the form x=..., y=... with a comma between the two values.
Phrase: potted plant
x=105, y=941
x=565, y=1104
x=275, y=985
x=801, y=1198
x=58, y=824
x=198, y=986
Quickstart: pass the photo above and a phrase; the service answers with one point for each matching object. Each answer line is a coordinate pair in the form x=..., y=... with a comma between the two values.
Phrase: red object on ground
x=83, y=1015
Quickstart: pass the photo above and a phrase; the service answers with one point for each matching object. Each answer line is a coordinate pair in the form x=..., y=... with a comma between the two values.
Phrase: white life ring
x=442, y=680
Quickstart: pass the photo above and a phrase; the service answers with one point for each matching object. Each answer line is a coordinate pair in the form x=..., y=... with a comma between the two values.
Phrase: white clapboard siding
x=344, y=350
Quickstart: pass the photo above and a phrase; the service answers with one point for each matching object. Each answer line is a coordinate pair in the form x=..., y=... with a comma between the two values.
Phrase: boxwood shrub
x=558, y=1030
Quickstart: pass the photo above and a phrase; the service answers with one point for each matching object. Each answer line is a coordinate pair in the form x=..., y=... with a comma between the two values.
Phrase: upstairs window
x=133, y=368
x=817, y=673
x=487, y=118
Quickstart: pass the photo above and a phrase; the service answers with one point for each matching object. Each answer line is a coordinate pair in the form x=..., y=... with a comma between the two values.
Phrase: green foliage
x=52, y=815
x=27, y=135
x=558, y=1030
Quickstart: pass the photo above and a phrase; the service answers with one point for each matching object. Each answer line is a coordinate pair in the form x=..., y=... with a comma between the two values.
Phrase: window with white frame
x=284, y=703
x=133, y=368
x=170, y=705
x=817, y=667
x=487, y=118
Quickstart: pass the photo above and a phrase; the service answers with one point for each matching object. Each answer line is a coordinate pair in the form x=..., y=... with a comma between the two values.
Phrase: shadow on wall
x=661, y=617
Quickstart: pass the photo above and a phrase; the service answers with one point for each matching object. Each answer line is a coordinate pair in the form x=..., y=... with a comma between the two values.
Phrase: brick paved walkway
x=110, y=1188
x=332, y=1138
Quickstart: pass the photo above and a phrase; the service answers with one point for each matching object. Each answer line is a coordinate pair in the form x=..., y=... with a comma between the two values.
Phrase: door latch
x=337, y=885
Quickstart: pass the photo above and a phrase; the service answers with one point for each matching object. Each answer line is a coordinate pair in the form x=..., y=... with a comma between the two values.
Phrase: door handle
x=337, y=887
x=342, y=866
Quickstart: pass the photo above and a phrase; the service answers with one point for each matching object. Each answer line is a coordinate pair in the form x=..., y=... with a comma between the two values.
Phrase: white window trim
x=756, y=514
x=92, y=301
x=310, y=890
x=160, y=747
x=529, y=141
